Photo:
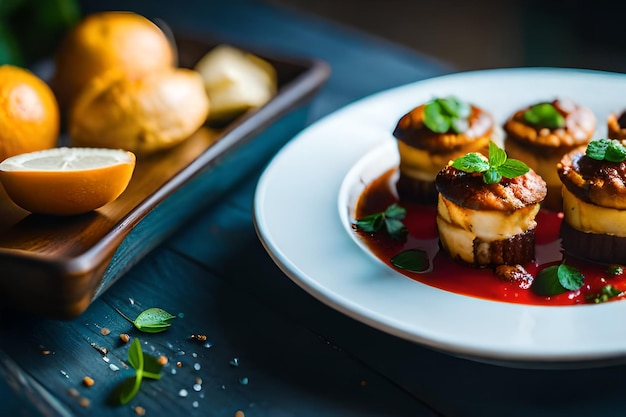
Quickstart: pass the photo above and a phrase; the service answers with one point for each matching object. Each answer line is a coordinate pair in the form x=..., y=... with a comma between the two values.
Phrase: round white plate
x=296, y=217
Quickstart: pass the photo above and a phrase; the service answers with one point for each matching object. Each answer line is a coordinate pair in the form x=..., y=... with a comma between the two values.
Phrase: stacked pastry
x=487, y=219
x=542, y=133
x=594, y=202
x=431, y=135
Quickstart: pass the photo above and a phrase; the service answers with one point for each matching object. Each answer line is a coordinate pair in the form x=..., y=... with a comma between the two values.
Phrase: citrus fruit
x=29, y=113
x=108, y=40
x=235, y=81
x=143, y=115
x=65, y=181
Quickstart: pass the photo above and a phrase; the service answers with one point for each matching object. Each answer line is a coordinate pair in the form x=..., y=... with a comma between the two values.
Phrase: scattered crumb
x=179, y=364
x=140, y=411
x=239, y=413
x=84, y=402
x=363, y=382
x=88, y=381
x=73, y=392
x=124, y=337
x=162, y=360
x=103, y=351
x=104, y=331
x=198, y=337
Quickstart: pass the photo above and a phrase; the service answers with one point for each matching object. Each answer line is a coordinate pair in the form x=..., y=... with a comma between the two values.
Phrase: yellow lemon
x=66, y=181
x=29, y=113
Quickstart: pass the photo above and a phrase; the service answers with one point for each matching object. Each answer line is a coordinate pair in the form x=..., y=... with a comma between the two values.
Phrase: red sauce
x=454, y=276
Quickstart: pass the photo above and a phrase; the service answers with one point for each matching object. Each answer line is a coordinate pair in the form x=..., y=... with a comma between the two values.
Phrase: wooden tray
x=55, y=266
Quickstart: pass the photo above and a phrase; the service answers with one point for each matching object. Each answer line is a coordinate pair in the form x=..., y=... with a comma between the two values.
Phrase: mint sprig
x=544, y=115
x=391, y=219
x=606, y=150
x=557, y=279
x=494, y=168
x=145, y=366
x=448, y=113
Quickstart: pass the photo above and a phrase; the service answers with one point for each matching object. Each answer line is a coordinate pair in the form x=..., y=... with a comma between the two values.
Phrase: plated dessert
x=594, y=202
x=487, y=208
x=540, y=134
x=489, y=237
x=432, y=134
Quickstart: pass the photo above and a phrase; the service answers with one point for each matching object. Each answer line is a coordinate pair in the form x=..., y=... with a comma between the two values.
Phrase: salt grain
x=183, y=393
x=195, y=404
x=196, y=366
x=114, y=367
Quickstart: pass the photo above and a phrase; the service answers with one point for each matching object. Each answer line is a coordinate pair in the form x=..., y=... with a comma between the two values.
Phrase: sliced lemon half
x=66, y=181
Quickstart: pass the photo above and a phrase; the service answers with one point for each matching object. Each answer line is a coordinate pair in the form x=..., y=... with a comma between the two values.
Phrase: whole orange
x=29, y=113
x=104, y=41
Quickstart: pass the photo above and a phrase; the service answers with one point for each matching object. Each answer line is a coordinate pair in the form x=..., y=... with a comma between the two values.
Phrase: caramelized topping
x=598, y=182
x=412, y=130
x=470, y=191
x=580, y=124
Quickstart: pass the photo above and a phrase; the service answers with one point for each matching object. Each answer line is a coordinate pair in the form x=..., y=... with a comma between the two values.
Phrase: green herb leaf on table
x=145, y=366
x=153, y=320
x=413, y=260
x=544, y=115
x=557, y=279
x=391, y=218
x=606, y=150
x=495, y=167
x=448, y=113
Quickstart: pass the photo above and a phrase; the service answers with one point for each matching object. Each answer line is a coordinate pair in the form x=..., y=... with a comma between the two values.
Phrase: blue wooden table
x=270, y=348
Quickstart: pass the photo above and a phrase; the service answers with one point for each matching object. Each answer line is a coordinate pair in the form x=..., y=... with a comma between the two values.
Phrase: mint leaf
x=544, y=115
x=434, y=119
x=471, y=162
x=443, y=114
x=513, y=168
x=391, y=218
x=596, y=149
x=153, y=320
x=493, y=168
x=615, y=152
x=492, y=176
x=557, y=279
x=570, y=277
x=413, y=260
x=606, y=150
x=497, y=156
x=144, y=366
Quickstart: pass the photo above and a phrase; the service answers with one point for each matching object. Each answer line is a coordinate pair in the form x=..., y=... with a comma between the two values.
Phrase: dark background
x=491, y=33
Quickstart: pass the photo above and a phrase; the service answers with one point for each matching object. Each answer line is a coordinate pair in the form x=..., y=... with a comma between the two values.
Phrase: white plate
x=296, y=217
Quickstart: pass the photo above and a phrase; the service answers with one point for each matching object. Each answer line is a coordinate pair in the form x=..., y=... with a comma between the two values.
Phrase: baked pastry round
x=594, y=208
x=542, y=143
x=488, y=224
x=616, y=126
x=424, y=151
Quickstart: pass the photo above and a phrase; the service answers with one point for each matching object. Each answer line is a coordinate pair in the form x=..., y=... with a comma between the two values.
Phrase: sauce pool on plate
x=450, y=275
